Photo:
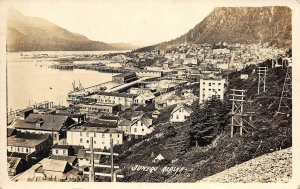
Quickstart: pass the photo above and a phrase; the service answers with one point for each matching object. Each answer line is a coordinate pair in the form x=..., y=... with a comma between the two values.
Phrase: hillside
x=220, y=152
x=241, y=25
x=36, y=34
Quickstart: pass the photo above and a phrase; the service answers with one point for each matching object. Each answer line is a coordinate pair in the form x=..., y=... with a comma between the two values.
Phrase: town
x=150, y=89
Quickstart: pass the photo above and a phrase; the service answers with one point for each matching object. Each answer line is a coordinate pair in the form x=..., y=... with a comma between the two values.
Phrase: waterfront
x=30, y=81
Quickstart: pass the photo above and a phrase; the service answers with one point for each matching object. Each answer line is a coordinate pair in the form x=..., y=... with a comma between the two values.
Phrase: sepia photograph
x=148, y=92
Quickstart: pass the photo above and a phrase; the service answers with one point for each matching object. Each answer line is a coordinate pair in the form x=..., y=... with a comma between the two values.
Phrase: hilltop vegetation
x=216, y=151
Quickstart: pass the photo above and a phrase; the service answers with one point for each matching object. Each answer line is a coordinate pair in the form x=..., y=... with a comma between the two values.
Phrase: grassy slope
x=272, y=133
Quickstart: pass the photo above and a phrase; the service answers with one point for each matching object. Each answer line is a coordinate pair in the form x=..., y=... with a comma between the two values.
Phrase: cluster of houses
x=54, y=144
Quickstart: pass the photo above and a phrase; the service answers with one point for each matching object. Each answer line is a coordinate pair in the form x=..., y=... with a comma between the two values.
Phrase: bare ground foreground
x=272, y=167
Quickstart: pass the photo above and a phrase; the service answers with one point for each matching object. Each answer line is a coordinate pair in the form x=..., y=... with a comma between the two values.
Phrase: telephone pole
x=262, y=75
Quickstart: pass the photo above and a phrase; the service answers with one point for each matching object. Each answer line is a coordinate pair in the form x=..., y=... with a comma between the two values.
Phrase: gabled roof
x=69, y=159
x=145, y=121
x=124, y=122
x=182, y=106
x=48, y=122
x=146, y=96
x=11, y=131
x=55, y=165
x=173, y=97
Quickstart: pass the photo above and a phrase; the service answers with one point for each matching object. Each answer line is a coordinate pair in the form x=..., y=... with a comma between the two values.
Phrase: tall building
x=210, y=87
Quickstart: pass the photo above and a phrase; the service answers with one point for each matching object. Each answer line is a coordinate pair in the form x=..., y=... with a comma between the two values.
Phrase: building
x=53, y=169
x=124, y=125
x=141, y=126
x=55, y=125
x=144, y=98
x=138, y=91
x=180, y=113
x=244, y=76
x=124, y=77
x=84, y=158
x=15, y=165
x=173, y=99
x=149, y=73
x=29, y=146
x=124, y=99
x=101, y=133
x=96, y=109
x=211, y=87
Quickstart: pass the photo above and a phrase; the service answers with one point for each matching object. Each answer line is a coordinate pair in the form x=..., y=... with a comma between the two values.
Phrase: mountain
x=241, y=25
x=36, y=34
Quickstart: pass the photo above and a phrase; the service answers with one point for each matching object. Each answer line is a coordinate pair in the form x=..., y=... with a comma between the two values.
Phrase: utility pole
x=286, y=94
x=112, y=160
x=237, y=112
x=92, y=168
x=262, y=75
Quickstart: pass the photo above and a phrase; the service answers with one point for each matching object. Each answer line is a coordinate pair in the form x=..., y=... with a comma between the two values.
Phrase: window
x=81, y=140
x=94, y=142
x=219, y=96
x=80, y=133
x=142, y=130
x=94, y=134
x=219, y=83
x=87, y=141
x=56, y=151
x=180, y=110
x=27, y=150
x=64, y=152
x=213, y=83
x=135, y=130
x=184, y=117
x=102, y=142
x=209, y=89
x=203, y=89
x=87, y=134
x=18, y=149
x=209, y=84
x=118, y=135
x=11, y=148
x=103, y=135
x=177, y=117
x=203, y=83
x=219, y=89
x=22, y=150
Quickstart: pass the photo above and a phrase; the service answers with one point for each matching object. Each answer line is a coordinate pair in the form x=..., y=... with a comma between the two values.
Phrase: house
x=180, y=113
x=54, y=169
x=141, y=127
x=77, y=117
x=155, y=114
x=124, y=77
x=84, y=158
x=101, y=134
x=210, y=87
x=15, y=165
x=158, y=158
x=124, y=125
x=173, y=99
x=244, y=76
x=160, y=103
x=29, y=146
x=62, y=150
x=55, y=125
x=144, y=98
x=138, y=91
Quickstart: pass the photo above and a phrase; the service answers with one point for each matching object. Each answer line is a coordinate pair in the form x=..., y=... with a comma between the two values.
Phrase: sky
x=138, y=22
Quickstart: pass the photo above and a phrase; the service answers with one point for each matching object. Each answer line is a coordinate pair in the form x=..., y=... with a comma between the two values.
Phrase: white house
x=244, y=76
x=180, y=113
x=141, y=127
x=144, y=98
x=173, y=99
x=211, y=87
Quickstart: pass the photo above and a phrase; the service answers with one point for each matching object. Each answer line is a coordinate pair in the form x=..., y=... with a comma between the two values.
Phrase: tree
x=208, y=122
